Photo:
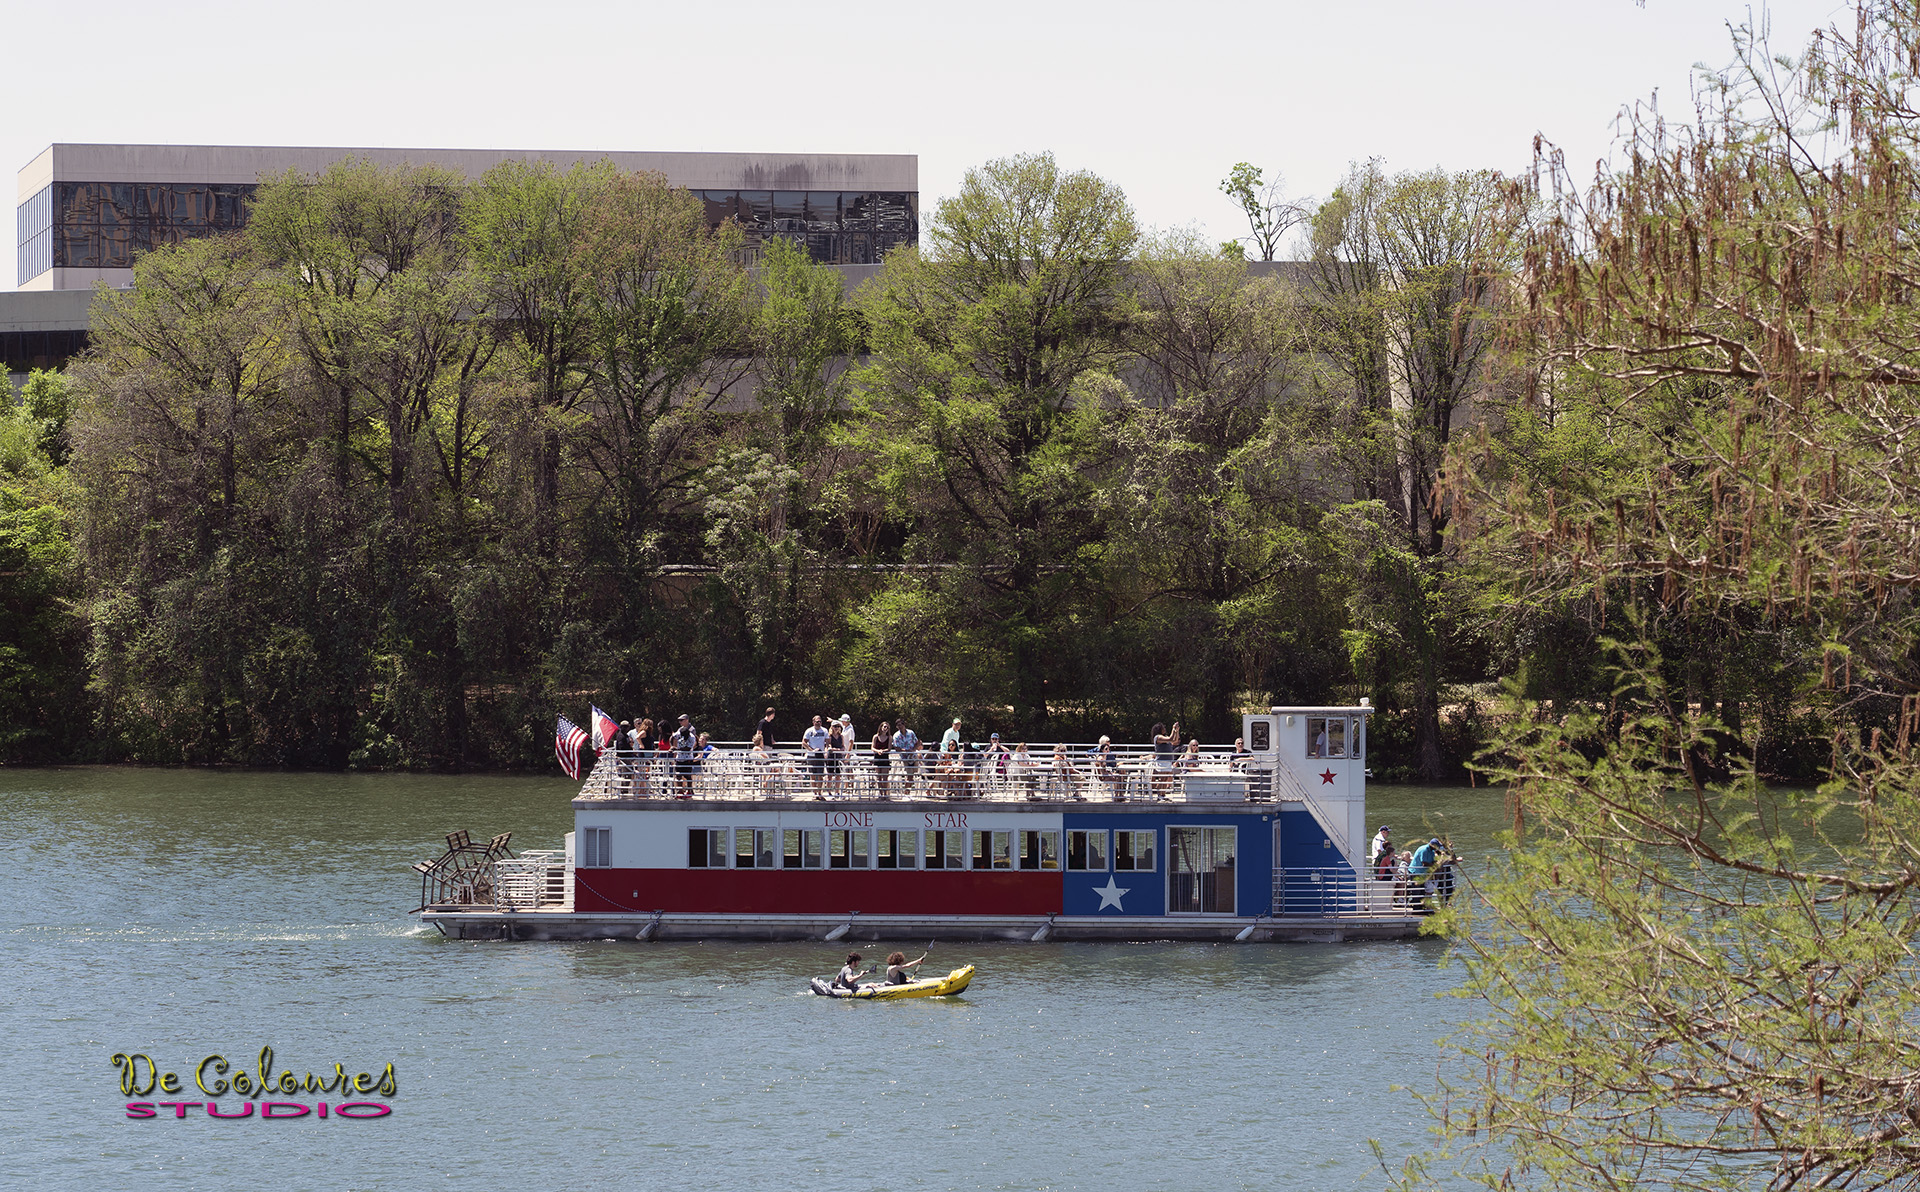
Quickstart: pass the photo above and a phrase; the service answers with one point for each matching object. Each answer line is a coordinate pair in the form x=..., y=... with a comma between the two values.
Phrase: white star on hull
x=1110, y=897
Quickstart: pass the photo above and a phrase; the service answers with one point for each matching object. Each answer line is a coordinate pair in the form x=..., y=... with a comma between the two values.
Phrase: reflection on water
x=185, y=913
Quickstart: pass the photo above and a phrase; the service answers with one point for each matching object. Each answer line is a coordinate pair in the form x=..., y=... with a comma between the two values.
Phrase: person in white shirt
x=907, y=747
x=815, y=740
x=1381, y=854
x=951, y=737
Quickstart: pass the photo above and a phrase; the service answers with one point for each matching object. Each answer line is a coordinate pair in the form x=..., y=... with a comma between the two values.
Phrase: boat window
x=1261, y=739
x=993, y=850
x=707, y=848
x=1087, y=849
x=1133, y=850
x=1326, y=736
x=849, y=849
x=800, y=848
x=1039, y=850
x=945, y=851
x=598, y=853
x=895, y=850
x=753, y=848
x=1200, y=870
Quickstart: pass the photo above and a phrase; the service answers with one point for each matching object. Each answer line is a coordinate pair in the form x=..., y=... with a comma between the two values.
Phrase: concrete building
x=86, y=211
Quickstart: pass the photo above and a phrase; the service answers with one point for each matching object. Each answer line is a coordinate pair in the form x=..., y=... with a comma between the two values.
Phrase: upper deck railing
x=1066, y=773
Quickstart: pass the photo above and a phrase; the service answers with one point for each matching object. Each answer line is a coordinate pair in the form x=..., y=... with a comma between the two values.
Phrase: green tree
x=42, y=701
x=1405, y=282
x=1693, y=980
x=979, y=346
x=1269, y=216
x=1215, y=480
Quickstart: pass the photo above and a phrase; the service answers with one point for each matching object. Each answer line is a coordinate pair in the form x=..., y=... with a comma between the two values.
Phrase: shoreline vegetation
x=411, y=463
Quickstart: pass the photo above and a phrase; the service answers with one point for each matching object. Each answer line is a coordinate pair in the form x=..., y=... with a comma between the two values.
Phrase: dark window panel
x=823, y=211
x=756, y=210
x=894, y=213
x=117, y=203
x=230, y=205
x=116, y=247
x=859, y=248
x=25, y=350
x=76, y=246
x=74, y=202
x=885, y=243
x=720, y=205
x=789, y=211
x=824, y=247
x=856, y=212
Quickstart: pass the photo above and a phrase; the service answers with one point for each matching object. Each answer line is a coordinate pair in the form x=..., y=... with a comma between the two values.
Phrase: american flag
x=605, y=731
x=568, y=737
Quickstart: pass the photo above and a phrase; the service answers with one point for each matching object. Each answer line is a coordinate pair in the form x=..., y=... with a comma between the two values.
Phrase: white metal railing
x=533, y=879
x=1072, y=774
x=1340, y=893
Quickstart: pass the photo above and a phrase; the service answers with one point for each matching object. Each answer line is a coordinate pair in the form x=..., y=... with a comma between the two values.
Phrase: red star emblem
x=1326, y=777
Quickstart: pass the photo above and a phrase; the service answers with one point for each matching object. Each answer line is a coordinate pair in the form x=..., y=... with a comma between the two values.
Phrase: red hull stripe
x=816, y=892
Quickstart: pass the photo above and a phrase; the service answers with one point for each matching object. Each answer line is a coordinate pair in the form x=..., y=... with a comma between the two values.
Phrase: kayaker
x=897, y=966
x=850, y=973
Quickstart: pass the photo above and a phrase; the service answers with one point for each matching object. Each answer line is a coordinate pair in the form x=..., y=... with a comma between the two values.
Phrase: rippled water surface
x=181, y=914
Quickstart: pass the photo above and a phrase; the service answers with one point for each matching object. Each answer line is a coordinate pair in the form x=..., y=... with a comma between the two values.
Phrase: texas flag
x=605, y=731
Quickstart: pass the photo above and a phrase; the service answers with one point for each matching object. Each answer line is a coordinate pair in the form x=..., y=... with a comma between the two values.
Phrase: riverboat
x=1066, y=843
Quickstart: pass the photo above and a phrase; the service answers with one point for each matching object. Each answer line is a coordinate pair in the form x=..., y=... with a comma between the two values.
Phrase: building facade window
x=833, y=227
x=105, y=225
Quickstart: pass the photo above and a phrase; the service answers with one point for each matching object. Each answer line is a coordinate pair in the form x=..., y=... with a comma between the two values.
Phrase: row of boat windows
x=1088, y=849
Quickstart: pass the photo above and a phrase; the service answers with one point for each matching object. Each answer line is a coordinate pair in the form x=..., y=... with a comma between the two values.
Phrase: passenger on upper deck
x=686, y=743
x=1020, y=770
x=835, y=752
x=907, y=746
x=1165, y=745
x=815, y=742
x=765, y=728
x=951, y=737
x=1064, y=777
x=1106, y=768
x=882, y=757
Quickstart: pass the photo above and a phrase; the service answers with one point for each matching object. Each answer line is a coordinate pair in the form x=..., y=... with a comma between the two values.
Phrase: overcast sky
x=1160, y=98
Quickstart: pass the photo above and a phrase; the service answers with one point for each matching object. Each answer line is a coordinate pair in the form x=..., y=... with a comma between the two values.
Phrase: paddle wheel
x=464, y=874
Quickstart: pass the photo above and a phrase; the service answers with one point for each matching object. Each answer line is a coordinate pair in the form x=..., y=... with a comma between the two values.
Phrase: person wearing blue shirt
x=1420, y=870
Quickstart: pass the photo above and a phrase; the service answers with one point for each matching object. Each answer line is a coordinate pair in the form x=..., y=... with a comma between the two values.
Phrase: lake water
x=181, y=914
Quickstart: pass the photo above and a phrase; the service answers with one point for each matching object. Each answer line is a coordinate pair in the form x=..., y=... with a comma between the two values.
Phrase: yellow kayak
x=953, y=982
